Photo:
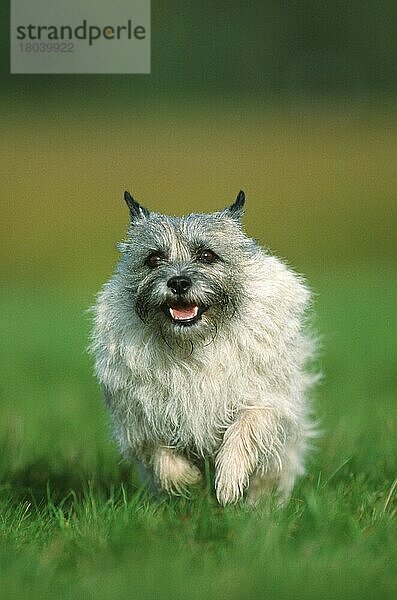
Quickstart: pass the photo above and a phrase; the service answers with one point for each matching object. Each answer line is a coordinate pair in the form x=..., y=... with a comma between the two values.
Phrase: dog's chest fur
x=188, y=403
x=183, y=401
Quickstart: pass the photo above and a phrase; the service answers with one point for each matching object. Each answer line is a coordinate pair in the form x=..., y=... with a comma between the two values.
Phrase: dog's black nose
x=180, y=284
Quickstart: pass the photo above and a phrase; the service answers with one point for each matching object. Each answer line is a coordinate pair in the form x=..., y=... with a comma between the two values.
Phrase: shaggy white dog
x=200, y=348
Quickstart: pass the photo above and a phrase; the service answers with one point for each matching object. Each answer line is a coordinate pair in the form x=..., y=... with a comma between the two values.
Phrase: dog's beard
x=183, y=341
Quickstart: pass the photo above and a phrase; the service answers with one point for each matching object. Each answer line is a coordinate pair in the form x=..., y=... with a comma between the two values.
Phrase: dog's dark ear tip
x=240, y=200
x=237, y=208
x=136, y=210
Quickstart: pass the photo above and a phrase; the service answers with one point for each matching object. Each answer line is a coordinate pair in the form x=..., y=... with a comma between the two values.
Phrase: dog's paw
x=260, y=486
x=174, y=473
x=230, y=480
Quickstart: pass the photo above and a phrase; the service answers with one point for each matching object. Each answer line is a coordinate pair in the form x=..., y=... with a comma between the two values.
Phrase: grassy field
x=75, y=524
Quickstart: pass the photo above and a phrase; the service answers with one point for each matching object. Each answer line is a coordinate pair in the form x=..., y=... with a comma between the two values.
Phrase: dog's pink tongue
x=182, y=313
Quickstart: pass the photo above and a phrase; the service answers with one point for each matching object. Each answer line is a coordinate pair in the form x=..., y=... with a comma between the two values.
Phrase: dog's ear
x=236, y=210
x=136, y=210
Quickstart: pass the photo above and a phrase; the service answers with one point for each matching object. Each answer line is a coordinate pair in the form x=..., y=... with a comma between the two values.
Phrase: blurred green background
x=294, y=102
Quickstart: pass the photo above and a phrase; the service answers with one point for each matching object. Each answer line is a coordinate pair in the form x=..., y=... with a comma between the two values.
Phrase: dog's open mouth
x=184, y=314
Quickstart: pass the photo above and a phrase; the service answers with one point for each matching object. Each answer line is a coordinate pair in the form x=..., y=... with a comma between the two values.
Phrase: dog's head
x=185, y=275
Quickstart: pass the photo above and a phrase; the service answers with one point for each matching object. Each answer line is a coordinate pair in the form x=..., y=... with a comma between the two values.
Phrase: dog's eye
x=207, y=256
x=154, y=260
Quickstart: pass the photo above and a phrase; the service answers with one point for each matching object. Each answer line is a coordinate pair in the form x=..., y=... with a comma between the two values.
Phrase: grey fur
x=228, y=383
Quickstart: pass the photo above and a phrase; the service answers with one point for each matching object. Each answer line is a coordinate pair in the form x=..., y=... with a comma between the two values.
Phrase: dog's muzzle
x=180, y=311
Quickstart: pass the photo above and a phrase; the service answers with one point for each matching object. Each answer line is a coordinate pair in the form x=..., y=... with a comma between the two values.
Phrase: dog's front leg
x=253, y=437
x=173, y=472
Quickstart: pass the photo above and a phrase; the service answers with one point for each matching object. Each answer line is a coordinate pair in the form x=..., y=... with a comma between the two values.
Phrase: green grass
x=75, y=524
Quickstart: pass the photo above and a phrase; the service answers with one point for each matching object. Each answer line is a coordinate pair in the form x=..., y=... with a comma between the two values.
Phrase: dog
x=200, y=345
